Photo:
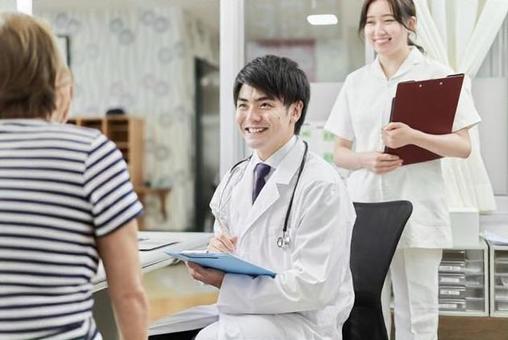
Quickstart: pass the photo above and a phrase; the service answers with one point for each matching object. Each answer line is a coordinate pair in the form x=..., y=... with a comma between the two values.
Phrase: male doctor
x=312, y=294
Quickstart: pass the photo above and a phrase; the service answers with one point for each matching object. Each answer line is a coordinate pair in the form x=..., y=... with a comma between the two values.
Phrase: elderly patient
x=65, y=201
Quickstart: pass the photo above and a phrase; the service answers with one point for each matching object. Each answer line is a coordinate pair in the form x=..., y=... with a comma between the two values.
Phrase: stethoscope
x=284, y=240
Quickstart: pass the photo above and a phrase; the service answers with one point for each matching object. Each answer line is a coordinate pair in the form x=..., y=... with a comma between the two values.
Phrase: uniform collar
x=414, y=57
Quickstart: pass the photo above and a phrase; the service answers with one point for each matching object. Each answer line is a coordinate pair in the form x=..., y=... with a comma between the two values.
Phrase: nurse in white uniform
x=312, y=294
x=360, y=120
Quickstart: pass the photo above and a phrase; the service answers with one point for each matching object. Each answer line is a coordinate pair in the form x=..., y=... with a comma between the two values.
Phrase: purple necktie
x=260, y=172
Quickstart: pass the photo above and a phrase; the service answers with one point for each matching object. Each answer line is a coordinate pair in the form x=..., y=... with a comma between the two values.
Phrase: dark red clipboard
x=428, y=106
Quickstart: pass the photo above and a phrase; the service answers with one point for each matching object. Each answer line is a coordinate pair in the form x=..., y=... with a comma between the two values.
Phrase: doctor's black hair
x=402, y=11
x=277, y=77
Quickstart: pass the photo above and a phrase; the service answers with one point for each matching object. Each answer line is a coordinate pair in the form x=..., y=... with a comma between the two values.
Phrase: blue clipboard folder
x=222, y=261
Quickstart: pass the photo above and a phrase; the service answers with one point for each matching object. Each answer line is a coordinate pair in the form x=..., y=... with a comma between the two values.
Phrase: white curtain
x=459, y=33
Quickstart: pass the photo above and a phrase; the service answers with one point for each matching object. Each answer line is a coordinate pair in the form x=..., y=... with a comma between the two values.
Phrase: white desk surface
x=157, y=258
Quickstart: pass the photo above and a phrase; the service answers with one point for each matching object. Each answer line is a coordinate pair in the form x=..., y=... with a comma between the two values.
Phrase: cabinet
x=498, y=280
x=128, y=135
x=463, y=281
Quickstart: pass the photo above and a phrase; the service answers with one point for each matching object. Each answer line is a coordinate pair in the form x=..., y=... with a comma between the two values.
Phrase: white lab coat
x=312, y=294
x=360, y=112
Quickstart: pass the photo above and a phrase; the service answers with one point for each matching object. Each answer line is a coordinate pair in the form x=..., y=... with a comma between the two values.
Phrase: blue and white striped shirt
x=61, y=186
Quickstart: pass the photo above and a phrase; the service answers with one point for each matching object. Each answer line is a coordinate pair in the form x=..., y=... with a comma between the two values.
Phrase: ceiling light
x=322, y=19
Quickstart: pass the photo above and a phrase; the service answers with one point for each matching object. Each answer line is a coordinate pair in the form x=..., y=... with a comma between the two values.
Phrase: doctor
x=312, y=294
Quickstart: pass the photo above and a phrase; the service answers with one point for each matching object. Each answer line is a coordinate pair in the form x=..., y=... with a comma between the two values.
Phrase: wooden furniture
x=128, y=135
x=161, y=192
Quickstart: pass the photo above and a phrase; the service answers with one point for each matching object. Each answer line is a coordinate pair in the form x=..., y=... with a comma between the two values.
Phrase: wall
x=7, y=5
x=142, y=59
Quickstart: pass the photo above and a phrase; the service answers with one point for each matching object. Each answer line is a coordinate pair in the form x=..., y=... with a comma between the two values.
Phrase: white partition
x=491, y=99
x=322, y=98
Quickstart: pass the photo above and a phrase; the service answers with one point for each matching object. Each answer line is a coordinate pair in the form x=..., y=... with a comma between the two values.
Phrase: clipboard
x=426, y=105
x=222, y=261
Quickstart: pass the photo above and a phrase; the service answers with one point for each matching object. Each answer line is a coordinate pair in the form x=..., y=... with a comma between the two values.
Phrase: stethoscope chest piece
x=283, y=241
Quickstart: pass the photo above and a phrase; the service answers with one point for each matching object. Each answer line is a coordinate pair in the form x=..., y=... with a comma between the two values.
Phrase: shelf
x=128, y=135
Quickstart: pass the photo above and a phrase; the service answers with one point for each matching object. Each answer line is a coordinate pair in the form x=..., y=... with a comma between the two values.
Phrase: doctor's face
x=386, y=35
x=265, y=122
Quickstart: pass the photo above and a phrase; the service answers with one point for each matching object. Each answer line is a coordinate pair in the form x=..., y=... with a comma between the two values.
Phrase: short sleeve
x=466, y=115
x=108, y=188
x=339, y=122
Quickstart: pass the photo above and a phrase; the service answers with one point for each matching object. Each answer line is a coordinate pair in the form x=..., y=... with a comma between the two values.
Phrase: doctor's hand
x=396, y=135
x=222, y=243
x=206, y=275
x=379, y=163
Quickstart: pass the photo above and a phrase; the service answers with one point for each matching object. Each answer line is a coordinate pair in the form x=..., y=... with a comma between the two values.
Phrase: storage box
x=465, y=223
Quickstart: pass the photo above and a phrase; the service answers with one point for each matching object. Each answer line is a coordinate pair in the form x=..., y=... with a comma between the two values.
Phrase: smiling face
x=265, y=122
x=388, y=36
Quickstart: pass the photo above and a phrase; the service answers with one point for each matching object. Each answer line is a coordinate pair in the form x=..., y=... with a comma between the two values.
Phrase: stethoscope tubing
x=284, y=240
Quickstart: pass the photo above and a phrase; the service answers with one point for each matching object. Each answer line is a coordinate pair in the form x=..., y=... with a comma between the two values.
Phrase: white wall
x=7, y=5
x=491, y=100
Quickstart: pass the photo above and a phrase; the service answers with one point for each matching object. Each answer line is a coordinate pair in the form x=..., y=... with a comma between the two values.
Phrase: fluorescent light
x=24, y=6
x=322, y=19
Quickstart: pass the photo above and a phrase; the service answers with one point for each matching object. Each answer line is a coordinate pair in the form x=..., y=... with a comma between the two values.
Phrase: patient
x=66, y=201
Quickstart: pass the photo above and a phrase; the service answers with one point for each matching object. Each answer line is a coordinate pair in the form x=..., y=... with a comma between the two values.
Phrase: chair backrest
x=376, y=233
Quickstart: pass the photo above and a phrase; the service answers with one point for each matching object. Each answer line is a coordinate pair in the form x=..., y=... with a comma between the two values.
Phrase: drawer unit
x=498, y=280
x=452, y=305
x=452, y=292
x=447, y=279
x=463, y=281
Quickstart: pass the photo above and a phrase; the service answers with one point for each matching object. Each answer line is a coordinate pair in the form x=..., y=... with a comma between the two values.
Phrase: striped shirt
x=61, y=186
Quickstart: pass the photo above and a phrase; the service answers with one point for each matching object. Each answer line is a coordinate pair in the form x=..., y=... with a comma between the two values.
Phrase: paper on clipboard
x=428, y=106
x=222, y=261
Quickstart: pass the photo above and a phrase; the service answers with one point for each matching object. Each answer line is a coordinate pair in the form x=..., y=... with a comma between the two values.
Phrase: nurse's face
x=383, y=32
x=265, y=123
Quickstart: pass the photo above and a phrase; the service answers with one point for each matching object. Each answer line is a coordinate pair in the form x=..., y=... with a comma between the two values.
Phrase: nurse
x=360, y=120
x=312, y=294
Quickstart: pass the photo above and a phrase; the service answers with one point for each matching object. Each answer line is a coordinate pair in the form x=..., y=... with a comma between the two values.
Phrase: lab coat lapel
x=277, y=181
x=241, y=199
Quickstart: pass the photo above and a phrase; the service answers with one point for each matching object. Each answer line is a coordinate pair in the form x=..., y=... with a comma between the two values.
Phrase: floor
x=171, y=289
x=460, y=328
x=471, y=328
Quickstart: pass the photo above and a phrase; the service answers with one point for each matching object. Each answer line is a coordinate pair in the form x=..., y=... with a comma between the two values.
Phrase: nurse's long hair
x=402, y=11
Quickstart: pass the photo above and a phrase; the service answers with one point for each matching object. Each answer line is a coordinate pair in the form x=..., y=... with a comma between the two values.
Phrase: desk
x=150, y=262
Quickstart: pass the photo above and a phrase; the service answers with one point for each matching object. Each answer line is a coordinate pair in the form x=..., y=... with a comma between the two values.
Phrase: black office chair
x=376, y=233
x=186, y=335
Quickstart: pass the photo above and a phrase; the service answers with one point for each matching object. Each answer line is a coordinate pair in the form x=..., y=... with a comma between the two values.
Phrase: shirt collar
x=24, y=121
x=276, y=158
x=413, y=58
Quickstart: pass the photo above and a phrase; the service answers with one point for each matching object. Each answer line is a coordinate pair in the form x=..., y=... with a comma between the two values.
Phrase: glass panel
x=326, y=53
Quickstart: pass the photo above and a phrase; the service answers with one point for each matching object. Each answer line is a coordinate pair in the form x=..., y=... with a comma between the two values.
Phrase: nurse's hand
x=380, y=163
x=396, y=135
x=222, y=243
x=206, y=275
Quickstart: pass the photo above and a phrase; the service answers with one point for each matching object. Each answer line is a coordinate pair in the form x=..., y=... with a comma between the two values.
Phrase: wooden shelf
x=128, y=135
